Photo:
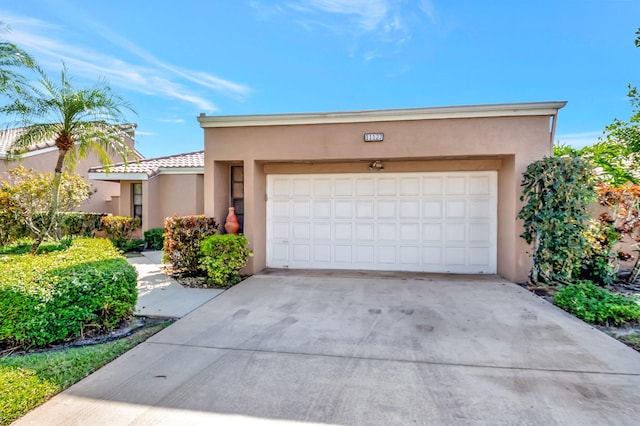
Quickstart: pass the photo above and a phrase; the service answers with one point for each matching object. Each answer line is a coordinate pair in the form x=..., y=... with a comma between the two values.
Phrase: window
x=237, y=193
x=136, y=202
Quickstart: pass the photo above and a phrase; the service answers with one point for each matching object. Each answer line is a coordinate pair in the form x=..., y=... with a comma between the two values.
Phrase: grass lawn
x=29, y=380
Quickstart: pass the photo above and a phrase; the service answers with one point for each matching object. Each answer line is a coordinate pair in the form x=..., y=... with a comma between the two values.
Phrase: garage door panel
x=343, y=231
x=455, y=209
x=387, y=232
x=365, y=232
x=409, y=232
x=364, y=255
x=432, y=209
x=365, y=187
x=387, y=187
x=343, y=255
x=409, y=209
x=410, y=186
x=343, y=209
x=322, y=209
x=386, y=209
x=386, y=255
x=432, y=186
x=322, y=231
x=322, y=188
x=456, y=185
x=432, y=232
x=432, y=222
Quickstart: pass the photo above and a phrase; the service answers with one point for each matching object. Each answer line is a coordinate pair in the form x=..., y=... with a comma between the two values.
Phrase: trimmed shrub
x=62, y=295
x=223, y=257
x=80, y=224
x=596, y=305
x=182, y=241
x=154, y=238
x=119, y=229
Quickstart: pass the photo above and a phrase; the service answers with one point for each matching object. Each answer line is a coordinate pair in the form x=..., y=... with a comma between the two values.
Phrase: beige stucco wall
x=165, y=195
x=504, y=144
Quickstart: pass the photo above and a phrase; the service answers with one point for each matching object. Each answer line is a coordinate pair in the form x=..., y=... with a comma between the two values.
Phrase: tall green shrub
x=556, y=191
x=223, y=257
x=182, y=241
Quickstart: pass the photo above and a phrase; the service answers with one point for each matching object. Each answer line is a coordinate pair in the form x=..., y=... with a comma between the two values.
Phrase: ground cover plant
x=27, y=381
x=596, y=305
x=48, y=298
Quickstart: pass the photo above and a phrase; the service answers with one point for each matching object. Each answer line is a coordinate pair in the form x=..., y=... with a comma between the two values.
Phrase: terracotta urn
x=232, y=226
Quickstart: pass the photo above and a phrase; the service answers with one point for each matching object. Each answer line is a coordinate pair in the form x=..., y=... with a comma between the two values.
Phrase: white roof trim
x=180, y=170
x=469, y=111
x=27, y=154
x=145, y=176
x=118, y=176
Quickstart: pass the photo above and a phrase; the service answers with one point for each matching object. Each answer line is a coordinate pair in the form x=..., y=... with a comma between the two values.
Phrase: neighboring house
x=42, y=158
x=430, y=189
x=155, y=188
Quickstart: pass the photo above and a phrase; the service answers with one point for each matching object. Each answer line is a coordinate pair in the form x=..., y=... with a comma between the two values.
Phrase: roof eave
x=411, y=114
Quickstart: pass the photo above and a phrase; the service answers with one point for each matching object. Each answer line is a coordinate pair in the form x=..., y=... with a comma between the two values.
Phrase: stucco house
x=427, y=189
x=43, y=157
x=155, y=188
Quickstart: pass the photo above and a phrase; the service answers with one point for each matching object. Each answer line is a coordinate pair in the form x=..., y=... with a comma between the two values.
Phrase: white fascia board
x=180, y=170
x=30, y=153
x=117, y=176
x=411, y=114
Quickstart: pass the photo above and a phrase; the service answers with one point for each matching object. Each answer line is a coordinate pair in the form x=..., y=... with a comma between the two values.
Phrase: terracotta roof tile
x=152, y=166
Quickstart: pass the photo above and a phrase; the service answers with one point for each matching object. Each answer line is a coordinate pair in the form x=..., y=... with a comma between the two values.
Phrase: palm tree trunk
x=53, y=208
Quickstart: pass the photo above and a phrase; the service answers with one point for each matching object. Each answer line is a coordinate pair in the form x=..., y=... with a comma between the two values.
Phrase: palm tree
x=80, y=121
x=12, y=58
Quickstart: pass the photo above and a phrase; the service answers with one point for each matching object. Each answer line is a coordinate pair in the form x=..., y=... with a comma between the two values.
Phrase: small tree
x=25, y=197
x=556, y=191
x=80, y=121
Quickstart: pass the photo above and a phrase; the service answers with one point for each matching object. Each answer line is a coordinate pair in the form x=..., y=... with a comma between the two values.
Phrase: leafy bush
x=26, y=195
x=58, y=296
x=596, y=305
x=556, y=191
x=223, y=257
x=119, y=227
x=182, y=241
x=127, y=246
x=154, y=238
x=119, y=230
x=599, y=257
x=80, y=224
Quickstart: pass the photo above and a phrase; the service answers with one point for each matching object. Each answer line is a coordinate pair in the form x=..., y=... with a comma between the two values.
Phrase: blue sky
x=175, y=59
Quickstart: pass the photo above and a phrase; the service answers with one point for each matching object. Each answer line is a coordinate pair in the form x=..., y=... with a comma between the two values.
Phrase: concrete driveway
x=351, y=348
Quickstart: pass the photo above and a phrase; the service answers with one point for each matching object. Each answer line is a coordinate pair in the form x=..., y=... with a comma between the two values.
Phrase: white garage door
x=430, y=222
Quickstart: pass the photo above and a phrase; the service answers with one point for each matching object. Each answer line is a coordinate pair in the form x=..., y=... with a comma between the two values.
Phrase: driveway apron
x=302, y=347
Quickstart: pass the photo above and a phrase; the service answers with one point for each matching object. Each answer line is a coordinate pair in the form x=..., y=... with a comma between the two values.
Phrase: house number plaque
x=373, y=137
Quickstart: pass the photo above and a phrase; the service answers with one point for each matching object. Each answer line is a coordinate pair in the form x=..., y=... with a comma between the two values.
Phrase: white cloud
x=386, y=21
x=150, y=76
x=173, y=120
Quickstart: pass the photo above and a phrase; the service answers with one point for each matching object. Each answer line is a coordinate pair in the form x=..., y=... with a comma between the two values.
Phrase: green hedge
x=58, y=296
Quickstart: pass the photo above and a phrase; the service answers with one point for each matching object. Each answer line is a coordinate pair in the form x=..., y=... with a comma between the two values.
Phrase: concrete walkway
x=162, y=296
x=355, y=349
